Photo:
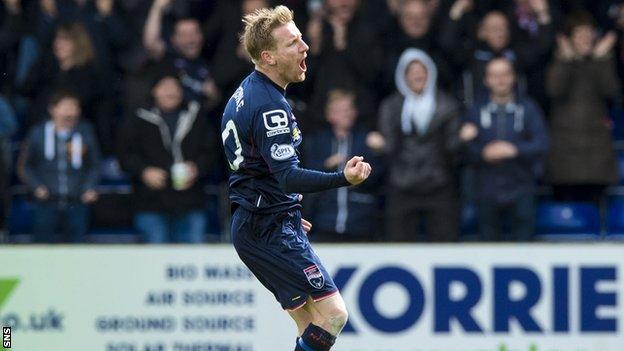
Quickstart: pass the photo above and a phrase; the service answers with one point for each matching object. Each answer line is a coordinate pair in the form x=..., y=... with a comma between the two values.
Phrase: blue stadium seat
x=20, y=216
x=112, y=236
x=617, y=120
x=111, y=172
x=20, y=221
x=469, y=225
x=567, y=221
x=615, y=221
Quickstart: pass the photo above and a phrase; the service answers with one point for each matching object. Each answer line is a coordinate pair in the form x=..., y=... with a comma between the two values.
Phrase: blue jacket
x=520, y=123
x=351, y=210
x=67, y=166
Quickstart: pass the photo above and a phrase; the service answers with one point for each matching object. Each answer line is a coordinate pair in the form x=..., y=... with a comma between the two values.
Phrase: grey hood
x=418, y=109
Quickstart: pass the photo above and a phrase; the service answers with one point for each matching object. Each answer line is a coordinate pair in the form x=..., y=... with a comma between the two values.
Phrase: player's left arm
x=274, y=136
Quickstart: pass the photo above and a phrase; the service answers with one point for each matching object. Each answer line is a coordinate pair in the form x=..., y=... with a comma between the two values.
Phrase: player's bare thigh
x=329, y=314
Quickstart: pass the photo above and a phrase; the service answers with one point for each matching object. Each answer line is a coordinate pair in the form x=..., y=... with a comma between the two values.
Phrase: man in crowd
x=167, y=148
x=60, y=164
x=182, y=53
x=506, y=147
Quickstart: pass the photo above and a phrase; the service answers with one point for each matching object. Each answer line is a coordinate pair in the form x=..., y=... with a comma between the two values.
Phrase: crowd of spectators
x=453, y=102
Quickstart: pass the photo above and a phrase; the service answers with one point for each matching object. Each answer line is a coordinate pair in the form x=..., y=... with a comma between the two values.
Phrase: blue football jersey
x=260, y=138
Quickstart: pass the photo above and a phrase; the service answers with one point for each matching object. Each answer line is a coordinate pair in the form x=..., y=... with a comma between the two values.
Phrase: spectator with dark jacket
x=506, y=150
x=419, y=128
x=413, y=28
x=494, y=39
x=582, y=81
x=104, y=25
x=167, y=148
x=60, y=163
x=71, y=66
x=344, y=54
x=345, y=214
x=13, y=27
x=225, y=50
x=8, y=126
x=182, y=53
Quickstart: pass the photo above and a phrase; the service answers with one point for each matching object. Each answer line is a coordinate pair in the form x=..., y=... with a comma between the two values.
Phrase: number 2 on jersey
x=238, y=152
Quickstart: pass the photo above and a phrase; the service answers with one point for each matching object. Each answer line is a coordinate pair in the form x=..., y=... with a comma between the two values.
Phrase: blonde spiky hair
x=259, y=25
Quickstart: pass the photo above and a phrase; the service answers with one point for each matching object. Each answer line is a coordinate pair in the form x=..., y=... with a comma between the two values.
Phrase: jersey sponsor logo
x=273, y=133
x=315, y=276
x=282, y=152
x=275, y=120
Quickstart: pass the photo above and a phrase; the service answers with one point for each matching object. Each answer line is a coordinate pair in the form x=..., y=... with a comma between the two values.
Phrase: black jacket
x=470, y=56
x=145, y=141
x=421, y=164
x=355, y=68
x=67, y=167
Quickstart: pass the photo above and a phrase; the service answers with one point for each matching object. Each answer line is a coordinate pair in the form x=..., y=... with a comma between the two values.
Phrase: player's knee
x=337, y=318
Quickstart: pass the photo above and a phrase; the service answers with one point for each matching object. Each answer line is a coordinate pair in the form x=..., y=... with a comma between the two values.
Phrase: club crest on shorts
x=315, y=277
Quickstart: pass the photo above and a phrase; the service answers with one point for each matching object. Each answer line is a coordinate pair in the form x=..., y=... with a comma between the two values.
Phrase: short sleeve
x=273, y=134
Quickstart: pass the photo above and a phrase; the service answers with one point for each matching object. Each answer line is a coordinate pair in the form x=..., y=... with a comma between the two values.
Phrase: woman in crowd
x=419, y=133
x=581, y=82
x=71, y=66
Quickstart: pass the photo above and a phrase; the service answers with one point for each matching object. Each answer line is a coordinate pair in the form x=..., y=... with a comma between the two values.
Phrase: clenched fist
x=356, y=170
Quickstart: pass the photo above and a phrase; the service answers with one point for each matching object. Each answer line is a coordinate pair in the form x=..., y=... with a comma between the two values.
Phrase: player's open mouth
x=302, y=65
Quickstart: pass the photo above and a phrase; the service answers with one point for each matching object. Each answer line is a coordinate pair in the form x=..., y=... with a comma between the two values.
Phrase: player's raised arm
x=277, y=137
x=301, y=180
x=294, y=179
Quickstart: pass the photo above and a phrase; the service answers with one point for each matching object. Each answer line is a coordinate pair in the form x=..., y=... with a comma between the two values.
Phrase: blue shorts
x=277, y=251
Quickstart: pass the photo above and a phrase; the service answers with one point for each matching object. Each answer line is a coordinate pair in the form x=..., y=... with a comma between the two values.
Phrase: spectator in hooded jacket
x=419, y=128
x=167, y=148
x=344, y=214
x=60, y=164
x=413, y=27
x=506, y=146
